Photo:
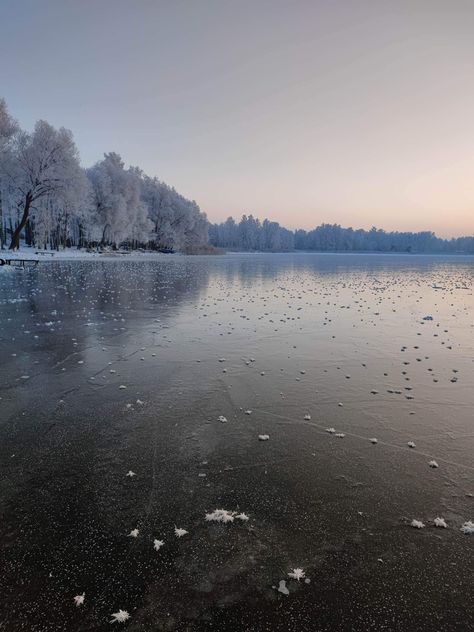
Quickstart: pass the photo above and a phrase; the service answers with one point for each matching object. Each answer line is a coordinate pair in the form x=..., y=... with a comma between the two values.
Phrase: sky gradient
x=355, y=112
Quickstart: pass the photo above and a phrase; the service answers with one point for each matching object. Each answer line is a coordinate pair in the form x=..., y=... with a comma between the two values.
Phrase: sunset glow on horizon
x=357, y=113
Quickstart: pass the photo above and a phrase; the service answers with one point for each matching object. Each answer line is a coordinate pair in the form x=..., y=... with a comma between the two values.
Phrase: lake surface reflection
x=115, y=366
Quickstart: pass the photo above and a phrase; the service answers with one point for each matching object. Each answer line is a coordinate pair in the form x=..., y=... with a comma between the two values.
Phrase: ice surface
x=73, y=332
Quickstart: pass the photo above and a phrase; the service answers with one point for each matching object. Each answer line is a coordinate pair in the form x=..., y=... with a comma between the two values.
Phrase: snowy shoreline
x=73, y=254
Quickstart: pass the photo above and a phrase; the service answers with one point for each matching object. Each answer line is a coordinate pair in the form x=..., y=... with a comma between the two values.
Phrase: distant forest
x=253, y=235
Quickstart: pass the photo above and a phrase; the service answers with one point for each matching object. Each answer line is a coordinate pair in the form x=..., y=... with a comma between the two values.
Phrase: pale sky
x=355, y=112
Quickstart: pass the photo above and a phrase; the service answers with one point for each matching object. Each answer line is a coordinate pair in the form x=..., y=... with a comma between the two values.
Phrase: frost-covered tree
x=60, y=218
x=119, y=212
x=47, y=199
x=8, y=126
x=178, y=223
x=8, y=129
x=251, y=234
x=42, y=164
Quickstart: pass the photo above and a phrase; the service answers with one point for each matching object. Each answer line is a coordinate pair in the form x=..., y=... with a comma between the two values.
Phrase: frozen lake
x=116, y=367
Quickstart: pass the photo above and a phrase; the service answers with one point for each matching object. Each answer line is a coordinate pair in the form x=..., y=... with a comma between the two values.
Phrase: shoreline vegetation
x=49, y=202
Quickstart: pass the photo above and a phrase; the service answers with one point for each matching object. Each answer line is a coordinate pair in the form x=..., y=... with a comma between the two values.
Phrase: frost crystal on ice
x=120, y=617
x=468, y=528
x=220, y=515
x=297, y=573
x=79, y=599
x=179, y=532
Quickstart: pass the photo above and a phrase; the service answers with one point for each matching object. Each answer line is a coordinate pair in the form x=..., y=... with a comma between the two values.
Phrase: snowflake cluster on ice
x=220, y=515
x=179, y=532
x=468, y=528
x=225, y=516
x=79, y=599
x=297, y=573
x=120, y=617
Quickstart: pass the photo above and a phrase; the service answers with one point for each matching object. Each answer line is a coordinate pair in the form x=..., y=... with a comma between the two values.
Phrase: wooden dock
x=18, y=263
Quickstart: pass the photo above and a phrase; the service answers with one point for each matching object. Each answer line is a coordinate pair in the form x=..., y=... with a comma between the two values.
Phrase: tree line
x=251, y=234
x=48, y=200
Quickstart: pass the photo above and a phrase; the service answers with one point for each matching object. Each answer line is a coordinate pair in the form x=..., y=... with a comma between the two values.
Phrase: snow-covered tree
x=42, y=164
x=8, y=129
x=8, y=126
x=178, y=223
x=119, y=212
x=47, y=198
